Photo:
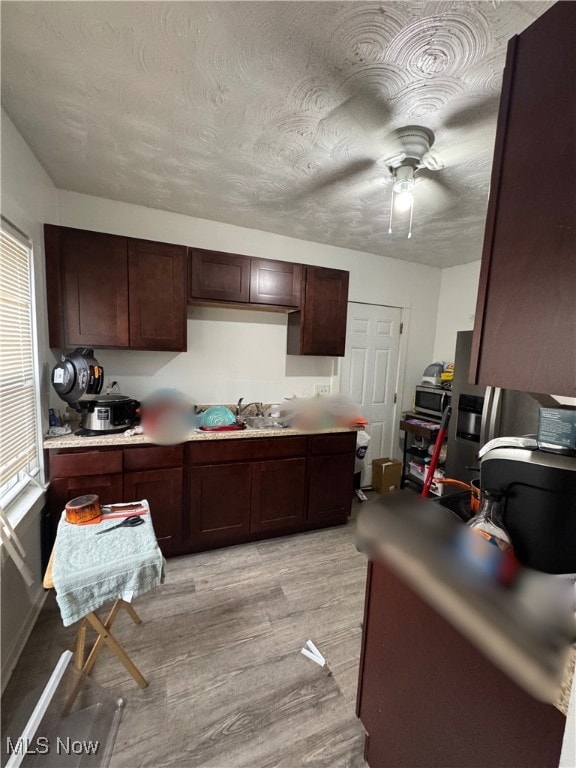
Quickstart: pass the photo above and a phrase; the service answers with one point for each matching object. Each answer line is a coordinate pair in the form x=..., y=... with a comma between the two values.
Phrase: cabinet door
x=331, y=487
x=320, y=327
x=219, y=276
x=524, y=334
x=278, y=499
x=157, y=282
x=87, y=286
x=275, y=282
x=220, y=497
x=62, y=489
x=423, y=690
x=163, y=488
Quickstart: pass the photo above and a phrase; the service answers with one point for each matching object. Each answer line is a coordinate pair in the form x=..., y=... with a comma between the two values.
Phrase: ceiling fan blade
x=473, y=144
x=439, y=181
x=433, y=193
x=344, y=175
x=483, y=110
x=364, y=110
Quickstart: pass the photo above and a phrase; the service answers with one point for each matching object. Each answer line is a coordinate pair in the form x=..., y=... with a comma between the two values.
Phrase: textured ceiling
x=269, y=115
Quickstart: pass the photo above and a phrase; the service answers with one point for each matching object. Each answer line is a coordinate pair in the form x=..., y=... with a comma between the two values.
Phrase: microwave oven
x=432, y=401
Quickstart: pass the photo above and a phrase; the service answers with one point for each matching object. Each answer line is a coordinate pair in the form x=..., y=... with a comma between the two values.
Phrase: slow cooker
x=78, y=380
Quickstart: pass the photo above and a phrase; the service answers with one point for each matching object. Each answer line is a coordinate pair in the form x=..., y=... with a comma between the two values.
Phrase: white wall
x=28, y=199
x=233, y=353
x=456, y=307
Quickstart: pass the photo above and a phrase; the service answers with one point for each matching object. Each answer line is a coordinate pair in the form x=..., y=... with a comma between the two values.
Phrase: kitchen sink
x=263, y=422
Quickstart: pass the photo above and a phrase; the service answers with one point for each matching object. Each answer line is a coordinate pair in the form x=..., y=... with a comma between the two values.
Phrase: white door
x=369, y=374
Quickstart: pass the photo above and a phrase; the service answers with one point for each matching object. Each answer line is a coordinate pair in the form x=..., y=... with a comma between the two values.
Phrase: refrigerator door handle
x=445, y=401
x=495, y=414
x=486, y=411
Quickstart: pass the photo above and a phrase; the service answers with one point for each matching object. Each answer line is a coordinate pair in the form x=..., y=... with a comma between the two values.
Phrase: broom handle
x=437, y=448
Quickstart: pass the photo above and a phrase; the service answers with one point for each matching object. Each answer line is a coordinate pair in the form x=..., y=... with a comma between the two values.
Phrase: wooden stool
x=105, y=636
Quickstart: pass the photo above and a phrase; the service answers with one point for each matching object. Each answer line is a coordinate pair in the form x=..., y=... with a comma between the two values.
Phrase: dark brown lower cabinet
x=331, y=487
x=278, y=489
x=163, y=490
x=154, y=473
x=220, y=500
x=224, y=492
x=429, y=699
x=63, y=489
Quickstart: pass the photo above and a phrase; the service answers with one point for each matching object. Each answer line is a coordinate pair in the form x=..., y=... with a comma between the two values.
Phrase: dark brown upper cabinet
x=219, y=277
x=319, y=328
x=107, y=291
x=276, y=283
x=525, y=327
x=157, y=291
x=87, y=287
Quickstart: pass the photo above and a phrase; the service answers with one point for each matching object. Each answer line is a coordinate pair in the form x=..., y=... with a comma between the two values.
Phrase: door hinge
x=395, y=398
x=401, y=328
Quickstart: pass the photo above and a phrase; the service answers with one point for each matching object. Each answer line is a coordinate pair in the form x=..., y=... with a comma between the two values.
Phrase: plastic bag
x=362, y=440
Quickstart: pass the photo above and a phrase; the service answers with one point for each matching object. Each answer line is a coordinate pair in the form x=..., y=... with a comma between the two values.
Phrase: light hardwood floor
x=220, y=645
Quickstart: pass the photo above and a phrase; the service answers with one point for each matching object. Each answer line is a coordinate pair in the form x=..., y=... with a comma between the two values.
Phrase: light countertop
x=413, y=541
x=120, y=439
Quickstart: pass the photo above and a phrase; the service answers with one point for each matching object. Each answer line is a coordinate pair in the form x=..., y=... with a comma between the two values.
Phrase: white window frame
x=10, y=499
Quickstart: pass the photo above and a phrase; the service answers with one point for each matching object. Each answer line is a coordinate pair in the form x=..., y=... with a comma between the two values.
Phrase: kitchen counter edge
x=103, y=441
x=478, y=626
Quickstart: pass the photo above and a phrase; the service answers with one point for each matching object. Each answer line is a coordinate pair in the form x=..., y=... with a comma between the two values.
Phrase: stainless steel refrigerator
x=480, y=414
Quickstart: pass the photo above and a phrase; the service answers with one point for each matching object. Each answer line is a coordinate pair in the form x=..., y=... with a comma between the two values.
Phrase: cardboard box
x=419, y=470
x=386, y=474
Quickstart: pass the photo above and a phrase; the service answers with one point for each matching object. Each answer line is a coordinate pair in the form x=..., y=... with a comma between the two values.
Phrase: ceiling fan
x=406, y=152
x=411, y=147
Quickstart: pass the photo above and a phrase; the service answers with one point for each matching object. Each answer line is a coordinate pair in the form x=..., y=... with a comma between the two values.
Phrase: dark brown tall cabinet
x=319, y=328
x=110, y=291
x=428, y=698
x=525, y=328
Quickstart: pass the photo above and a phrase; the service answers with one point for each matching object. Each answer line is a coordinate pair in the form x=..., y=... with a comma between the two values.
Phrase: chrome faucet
x=241, y=408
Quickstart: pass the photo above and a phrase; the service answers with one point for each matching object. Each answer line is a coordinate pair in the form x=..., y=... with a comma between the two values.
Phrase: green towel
x=90, y=570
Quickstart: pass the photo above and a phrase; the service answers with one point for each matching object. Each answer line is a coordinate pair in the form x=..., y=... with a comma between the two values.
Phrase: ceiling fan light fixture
x=404, y=179
x=403, y=201
x=403, y=186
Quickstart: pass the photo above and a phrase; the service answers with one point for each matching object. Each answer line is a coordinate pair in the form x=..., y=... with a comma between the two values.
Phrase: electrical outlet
x=321, y=389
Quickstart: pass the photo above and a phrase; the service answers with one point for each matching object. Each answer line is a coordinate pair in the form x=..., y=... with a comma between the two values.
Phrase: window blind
x=19, y=450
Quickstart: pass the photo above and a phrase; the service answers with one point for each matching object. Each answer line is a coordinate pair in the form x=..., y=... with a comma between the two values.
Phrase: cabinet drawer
x=280, y=447
x=212, y=452
x=335, y=443
x=85, y=463
x=153, y=458
x=247, y=449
